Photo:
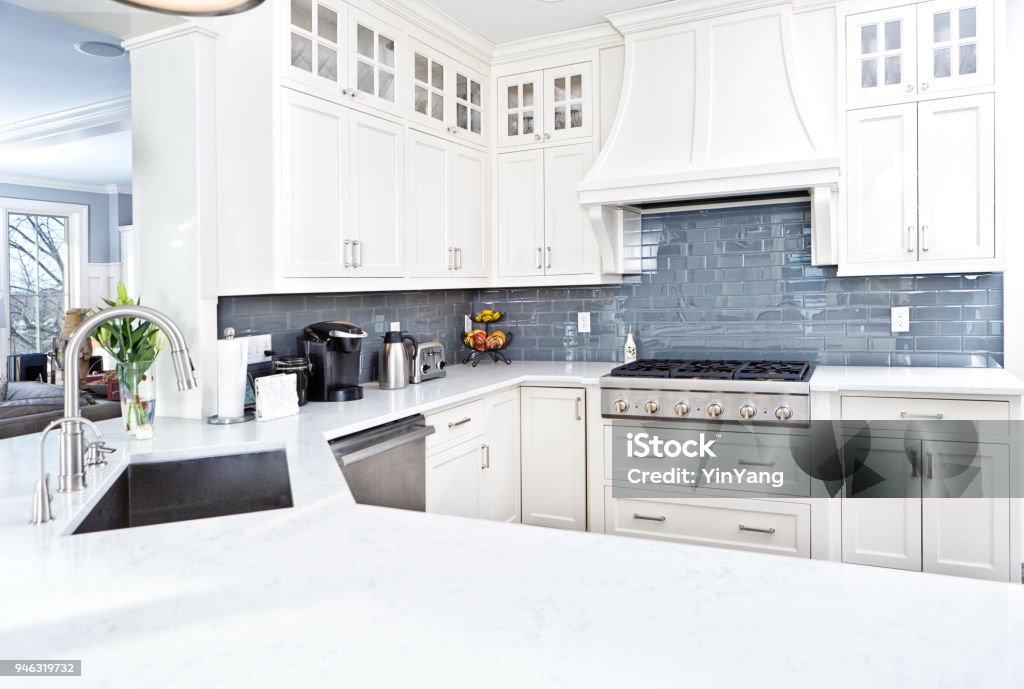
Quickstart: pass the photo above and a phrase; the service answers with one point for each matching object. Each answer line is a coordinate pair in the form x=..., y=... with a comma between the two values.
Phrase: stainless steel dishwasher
x=386, y=465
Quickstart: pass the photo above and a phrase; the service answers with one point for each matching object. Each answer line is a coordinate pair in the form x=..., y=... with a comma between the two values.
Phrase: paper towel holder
x=215, y=420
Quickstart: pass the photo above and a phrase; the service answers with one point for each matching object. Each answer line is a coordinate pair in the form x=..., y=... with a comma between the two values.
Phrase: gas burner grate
x=709, y=369
x=773, y=370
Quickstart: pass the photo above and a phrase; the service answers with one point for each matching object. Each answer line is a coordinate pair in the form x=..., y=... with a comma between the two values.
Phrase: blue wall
x=104, y=215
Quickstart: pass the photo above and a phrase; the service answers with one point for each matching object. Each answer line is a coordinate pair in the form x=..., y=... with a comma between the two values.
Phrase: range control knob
x=714, y=410
x=783, y=413
x=682, y=409
x=620, y=406
x=747, y=411
x=442, y=365
x=426, y=367
x=651, y=407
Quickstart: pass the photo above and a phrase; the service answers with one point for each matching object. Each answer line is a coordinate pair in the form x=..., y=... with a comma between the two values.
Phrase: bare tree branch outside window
x=36, y=247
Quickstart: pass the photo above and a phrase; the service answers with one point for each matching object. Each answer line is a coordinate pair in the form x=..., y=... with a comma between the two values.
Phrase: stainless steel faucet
x=72, y=443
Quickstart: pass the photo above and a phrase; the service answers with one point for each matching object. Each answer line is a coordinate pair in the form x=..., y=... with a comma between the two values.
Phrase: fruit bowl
x=488, y=316
x=490, y=346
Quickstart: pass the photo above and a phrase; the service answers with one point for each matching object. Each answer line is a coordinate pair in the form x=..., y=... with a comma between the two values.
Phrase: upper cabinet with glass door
x=913, y=51
x=446, y=96
x=374, y=74
x=954, y=45
x=548, y=105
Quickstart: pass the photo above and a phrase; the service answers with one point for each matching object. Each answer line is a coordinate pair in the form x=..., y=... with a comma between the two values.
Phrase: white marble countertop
x=329, y=593
x=917, y=379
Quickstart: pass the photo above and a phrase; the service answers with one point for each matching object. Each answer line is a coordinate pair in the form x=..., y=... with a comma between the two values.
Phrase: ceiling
x=41, y=74
x=501, y=21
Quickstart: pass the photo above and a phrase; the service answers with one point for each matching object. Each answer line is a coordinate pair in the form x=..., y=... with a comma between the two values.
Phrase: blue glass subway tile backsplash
x=731, y=282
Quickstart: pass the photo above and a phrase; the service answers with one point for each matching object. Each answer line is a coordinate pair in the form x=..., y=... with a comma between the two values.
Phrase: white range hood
x=720, y=99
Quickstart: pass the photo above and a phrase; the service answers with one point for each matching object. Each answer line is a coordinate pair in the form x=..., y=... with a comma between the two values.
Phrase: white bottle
x=629, y=352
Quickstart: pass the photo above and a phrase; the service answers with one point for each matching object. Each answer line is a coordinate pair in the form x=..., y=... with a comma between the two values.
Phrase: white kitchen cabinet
x=546, y=105
x=468, y=104
x=921, y=191
x=447, y=209
x=499, y=486
x=447, y=97
x=918, y=51
x=452, y=480
x=542, y=228
x=376, y=192
x=554, y=457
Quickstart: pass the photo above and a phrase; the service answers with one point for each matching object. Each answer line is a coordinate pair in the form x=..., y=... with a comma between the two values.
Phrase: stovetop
x=708, y=369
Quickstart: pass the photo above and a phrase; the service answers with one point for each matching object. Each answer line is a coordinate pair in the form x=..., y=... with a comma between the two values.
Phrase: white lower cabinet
x=554, y=450
x=478, y=476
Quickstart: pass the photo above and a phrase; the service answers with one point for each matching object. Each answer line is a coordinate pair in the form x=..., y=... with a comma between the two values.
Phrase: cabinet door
x=499, y=492
x=428, y=213
x=315, y=43
x=373, y=70
x=430, y=79
x=882, y=189
x=568, y=104
x=956, y=178
x=521, y=109
x=314, y=187
x=880, y=56
x=469, y=211
x=554, y=442
x=570, y=246
x=878, y=527
x=469, y=99
x=521, y=213
x=969, y=535
x=452, y=478
x=376, y=192
x=955, y=48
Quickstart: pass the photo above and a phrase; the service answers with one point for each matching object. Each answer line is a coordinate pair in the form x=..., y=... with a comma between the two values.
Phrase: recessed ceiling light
x=99, y=49
x=194, y=8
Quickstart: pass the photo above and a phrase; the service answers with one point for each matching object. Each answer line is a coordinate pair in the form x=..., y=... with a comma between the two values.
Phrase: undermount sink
x=173, y=491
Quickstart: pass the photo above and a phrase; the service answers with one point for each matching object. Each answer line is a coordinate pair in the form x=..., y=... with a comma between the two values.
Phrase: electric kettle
x=396, y=360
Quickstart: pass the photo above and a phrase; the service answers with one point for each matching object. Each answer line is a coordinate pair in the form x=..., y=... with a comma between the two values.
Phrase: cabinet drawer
x=456, y=424
x=774, y=527
x=905, y=409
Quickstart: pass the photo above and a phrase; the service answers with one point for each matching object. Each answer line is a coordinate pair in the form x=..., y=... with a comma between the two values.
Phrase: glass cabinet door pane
x=386, y=86
x=940, y=27
x=513, y=124
x=364, y=77
x=968, y=59
x=474, y=122
x=437, y=75
x=893, y=70
x=328, y=62
x=437, y=106
x=461, y=116
x=364, y=42
x=869, y=73
x=513, y=96
x=560, y=117
x=559, y=89
x=893, y=35
x=386, y=51
x=420, y=101
x=576, y=86
x=302, y=52
x=461, y=87
x=942, y=65
x=302, y=14
x=528, y=122
x=576, y=116
x=421, y=68
x=474, y=92
x=527, y=95
x=327, y=24
x=968, y=22
x=868, y=39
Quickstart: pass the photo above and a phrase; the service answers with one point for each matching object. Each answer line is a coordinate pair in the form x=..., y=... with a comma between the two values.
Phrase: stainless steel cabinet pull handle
x=549, y=257
x=485, y=457
x=769, y=463
x=910, y=238
x=913, y=464
x=929, y=456
x=357, y=253
x=451, y=260
x=458, y=258
x=456, y=424
x=547, y=136
x=347, y=253
x=912, y=415
x=579, y=416
x=540, y=257
x=637, y=515
x=924, y=238
x=757, y=529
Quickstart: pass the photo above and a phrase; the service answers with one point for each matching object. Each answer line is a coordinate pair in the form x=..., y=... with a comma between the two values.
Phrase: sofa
x=29, y=406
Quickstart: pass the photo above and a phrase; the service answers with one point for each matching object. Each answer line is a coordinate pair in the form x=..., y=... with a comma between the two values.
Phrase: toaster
x=428, y=363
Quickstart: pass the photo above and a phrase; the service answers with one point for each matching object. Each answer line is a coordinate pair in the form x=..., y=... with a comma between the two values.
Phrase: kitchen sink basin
x=174, y=491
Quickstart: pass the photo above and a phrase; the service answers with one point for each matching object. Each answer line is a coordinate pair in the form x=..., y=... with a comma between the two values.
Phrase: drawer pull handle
x=637, y=515
x=913, y=464
x=456, y=424
x=929, y=456
x=746, y=463
x=485, y=454
x=579, y=416
x=757, y=529
x=912, y=415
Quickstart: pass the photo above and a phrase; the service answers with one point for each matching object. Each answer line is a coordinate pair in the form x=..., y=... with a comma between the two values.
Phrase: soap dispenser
x=629, y=351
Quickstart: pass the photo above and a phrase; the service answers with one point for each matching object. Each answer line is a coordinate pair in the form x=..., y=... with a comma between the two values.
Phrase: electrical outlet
x=583, y=321
x=258, y=344
x=900, y=319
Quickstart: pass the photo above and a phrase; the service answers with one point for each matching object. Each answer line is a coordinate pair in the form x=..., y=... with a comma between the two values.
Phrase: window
x=36, y=247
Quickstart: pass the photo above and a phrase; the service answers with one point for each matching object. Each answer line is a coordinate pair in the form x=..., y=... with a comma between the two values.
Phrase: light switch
x=900, y=319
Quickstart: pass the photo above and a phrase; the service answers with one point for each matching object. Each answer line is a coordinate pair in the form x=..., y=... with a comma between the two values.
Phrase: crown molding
x=41, y=183
x=167, y=34
x=588, y=37
x=429, y=18
x=95, y=119
x=682, y=11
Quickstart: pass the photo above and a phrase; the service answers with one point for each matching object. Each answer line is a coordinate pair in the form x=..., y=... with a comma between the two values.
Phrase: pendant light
x=194, y=8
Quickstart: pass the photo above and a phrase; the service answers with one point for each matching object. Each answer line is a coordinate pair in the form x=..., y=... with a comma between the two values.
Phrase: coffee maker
x=333, y=348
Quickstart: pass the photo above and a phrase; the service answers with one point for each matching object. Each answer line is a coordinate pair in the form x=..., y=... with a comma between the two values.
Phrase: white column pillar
x=174, y=186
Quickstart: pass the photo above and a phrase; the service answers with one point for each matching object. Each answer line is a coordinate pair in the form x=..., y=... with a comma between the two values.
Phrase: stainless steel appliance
x=333, y=349
x=386, y=465
x=429, y=362
x=396, y=360
x=744, y=391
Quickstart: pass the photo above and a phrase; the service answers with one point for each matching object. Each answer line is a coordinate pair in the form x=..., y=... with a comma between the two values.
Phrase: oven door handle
x=351, y=458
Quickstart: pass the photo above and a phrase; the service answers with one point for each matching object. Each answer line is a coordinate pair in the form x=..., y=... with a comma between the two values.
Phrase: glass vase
x=138, y=398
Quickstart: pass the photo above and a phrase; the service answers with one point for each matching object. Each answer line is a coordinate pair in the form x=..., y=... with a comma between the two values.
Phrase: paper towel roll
x=231, y=369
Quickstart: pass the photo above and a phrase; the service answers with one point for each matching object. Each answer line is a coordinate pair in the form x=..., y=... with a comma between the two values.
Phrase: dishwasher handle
x=386, y=445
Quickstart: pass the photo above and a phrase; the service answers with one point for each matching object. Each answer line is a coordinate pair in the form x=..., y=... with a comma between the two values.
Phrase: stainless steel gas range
x=775, y=392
